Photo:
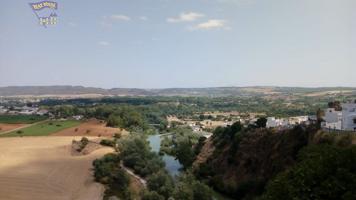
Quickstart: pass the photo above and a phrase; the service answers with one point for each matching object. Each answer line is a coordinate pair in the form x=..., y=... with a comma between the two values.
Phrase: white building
x=332, y=116
x=272, y=122
x=333, y=119
x=349, y=116
x=341, y=120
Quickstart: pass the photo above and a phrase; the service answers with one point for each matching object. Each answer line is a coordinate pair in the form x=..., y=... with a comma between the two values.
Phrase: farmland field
x=90, y=128
x=9, y=127
x=21, y=119
x=44, y=128
x=43, y=168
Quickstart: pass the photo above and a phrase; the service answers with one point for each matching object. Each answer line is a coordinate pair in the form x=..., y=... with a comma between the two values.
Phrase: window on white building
x=354, y=120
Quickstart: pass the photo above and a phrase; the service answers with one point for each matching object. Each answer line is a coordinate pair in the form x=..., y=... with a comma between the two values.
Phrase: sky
x=180, y=43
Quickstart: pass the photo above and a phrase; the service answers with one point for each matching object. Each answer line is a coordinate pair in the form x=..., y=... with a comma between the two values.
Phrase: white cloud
x=212, y=24
x=143, y=18
x=72, y=24
x=120, y=18
x=104, y=43
x=185, y=17
x=108, y=21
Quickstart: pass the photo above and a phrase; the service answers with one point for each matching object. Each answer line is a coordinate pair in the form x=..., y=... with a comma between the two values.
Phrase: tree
x=261, y=122
x=323, y=172
x=336, y=105
x=162, y=183
x=152, y=195
x=201, y=191
x=319, y=117
x=185, y=153
x=188, y=188
x=113, y=121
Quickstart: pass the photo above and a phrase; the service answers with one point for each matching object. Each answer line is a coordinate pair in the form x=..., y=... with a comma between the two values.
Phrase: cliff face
x=242, y=163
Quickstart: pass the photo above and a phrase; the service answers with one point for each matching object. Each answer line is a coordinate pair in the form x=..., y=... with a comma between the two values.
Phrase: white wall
x=332, y=116
x=348, y=116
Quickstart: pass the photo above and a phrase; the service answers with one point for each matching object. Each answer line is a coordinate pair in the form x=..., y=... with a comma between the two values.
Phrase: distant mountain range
x=211, y=91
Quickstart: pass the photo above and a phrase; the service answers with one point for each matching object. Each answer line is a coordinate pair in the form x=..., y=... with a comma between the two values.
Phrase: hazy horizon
x=181, y=44
x=147, y=88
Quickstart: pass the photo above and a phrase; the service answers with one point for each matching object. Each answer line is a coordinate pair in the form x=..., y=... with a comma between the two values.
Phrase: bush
x=109, y=143
x=104, y=167
x=136, y=154
x=345, y=140
x=162, y=183
x=151, y=195
x=188, y=188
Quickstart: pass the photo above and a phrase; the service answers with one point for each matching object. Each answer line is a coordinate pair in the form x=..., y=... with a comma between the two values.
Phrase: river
x=172, y=165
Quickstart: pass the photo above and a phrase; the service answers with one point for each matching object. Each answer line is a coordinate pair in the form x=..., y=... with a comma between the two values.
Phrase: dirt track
x=42, y=168
x=4, y=128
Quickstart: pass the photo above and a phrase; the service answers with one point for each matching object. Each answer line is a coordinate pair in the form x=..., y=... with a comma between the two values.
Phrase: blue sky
x=180, y=43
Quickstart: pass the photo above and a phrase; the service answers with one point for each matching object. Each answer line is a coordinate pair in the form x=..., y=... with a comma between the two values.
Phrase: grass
x=21, y=119
x=44, y=128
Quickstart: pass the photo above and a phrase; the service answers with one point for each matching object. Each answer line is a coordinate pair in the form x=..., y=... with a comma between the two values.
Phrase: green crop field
x=21, y=119
x=44, y=128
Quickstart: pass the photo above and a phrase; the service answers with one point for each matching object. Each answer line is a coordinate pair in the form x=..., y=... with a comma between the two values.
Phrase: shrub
x=151, y=195
x=104, y=167
x=345, y=140
x=83, y=143
x=106, y=142
x=162, y=183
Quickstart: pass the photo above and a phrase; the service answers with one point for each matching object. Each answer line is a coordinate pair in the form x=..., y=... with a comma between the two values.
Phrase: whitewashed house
x=349, y=116
x=272, y=122
x=333, y=119
x=331, y=115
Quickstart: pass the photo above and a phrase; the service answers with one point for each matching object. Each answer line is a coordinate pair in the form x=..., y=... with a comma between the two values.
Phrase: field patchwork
x=43, y=128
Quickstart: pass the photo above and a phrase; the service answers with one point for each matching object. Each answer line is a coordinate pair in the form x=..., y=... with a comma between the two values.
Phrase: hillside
x=210, y=91
x=243, y=162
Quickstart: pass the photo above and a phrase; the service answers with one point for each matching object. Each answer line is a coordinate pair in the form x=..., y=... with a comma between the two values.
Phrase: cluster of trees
x=108, y=171
x=323, y=172
x=186, y=187
x=136, y=154
x=155, y=109
x=127, y=117
x=182, y=144
x=310, y=164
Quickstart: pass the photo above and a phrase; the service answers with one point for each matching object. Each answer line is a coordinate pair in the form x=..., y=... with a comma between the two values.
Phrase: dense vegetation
x=154, y=109
x=322, y=172
x=21, y=119
x=300, y=163
x=179, y=144
x=108, y=171
x=136, y=154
